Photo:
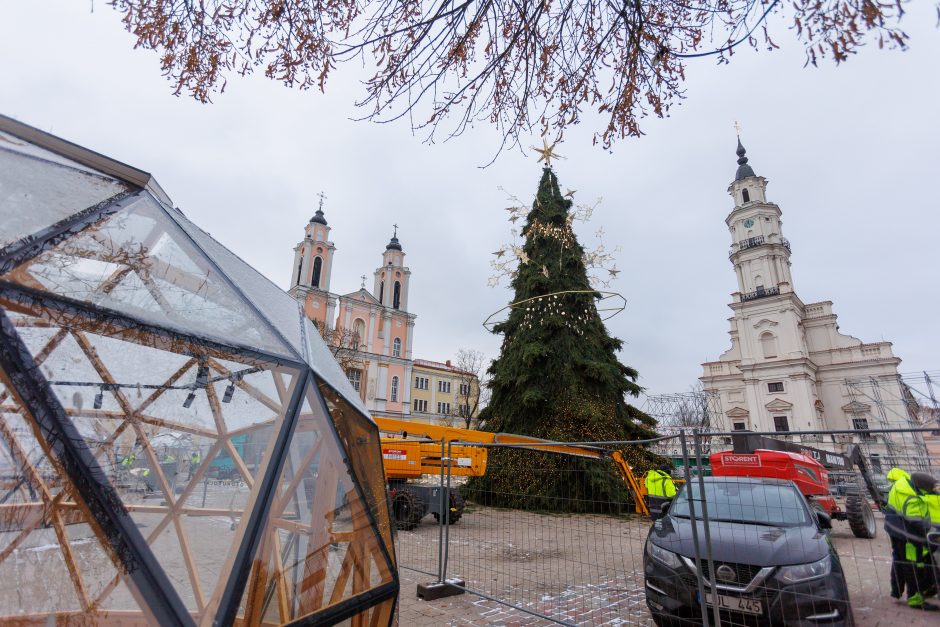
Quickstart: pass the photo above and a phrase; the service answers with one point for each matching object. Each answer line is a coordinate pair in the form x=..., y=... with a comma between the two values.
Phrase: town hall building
x=789, y=368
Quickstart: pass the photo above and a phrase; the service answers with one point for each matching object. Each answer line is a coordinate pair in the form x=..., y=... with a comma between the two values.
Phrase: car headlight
x=660, y=554
x=805, y=572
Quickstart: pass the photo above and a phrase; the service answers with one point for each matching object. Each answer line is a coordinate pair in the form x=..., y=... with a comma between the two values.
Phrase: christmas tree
x=558, y=377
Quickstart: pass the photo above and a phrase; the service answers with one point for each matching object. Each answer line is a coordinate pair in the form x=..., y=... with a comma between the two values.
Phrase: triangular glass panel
x=278, y=307
x=184, y=289
x=23, y=147
x=319, y=545
x=361, y=439
x=35, y=193
x=53, y=562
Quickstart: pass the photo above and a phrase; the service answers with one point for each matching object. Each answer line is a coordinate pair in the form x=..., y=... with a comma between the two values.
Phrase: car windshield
x=745, y=502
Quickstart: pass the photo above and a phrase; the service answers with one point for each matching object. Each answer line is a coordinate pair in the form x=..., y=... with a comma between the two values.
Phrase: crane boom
x=471, y=460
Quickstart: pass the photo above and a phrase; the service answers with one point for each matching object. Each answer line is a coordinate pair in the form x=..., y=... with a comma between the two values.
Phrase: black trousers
x=906, y=576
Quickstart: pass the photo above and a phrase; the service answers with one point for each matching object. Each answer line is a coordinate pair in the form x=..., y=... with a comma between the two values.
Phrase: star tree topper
x=547, y=153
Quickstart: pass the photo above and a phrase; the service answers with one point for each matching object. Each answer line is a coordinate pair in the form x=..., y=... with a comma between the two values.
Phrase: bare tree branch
x=521, y=65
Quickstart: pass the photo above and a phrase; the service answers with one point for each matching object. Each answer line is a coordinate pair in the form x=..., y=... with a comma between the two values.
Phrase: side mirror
x=664, y=508
x=824, y=520
x=933, y=539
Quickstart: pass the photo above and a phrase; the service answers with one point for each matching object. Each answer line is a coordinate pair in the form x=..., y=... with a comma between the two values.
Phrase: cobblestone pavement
x=556, y=566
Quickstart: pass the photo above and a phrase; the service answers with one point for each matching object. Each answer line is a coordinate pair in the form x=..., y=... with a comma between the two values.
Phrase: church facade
x=789, y=367
x=371, y=331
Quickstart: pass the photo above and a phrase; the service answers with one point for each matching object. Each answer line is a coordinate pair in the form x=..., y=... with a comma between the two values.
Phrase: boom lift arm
x=431, y=459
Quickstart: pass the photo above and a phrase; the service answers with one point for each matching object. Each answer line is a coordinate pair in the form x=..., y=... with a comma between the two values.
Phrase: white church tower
x=789, y=368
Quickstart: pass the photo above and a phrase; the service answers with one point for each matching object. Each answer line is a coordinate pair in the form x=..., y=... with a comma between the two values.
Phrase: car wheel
x=861, y=518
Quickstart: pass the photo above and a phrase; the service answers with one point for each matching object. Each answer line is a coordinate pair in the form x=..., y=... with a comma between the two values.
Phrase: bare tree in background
x=470, y=389
x=343, y=343
x=522, y=66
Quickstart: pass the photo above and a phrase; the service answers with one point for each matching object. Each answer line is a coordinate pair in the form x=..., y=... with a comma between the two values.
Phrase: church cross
x=737, y=128
x=322, y=197
x=396, y=230
x=363, y=286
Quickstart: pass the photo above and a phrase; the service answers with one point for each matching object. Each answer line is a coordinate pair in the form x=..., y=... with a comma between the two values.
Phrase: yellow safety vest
x=659, y=483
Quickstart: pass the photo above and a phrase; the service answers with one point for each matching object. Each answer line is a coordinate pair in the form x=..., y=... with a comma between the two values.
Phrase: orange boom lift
x=411, y=450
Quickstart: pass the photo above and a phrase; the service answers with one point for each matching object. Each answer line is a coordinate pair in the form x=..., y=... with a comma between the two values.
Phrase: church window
x=396, y=295
x=394, y=393
x=359, y=333
x=768, y=344
x=317, y=267
x=300, y=269
x=740, y=426
x=381, y=291
x=745, y=195
x=776, y=386
x=396, y=347
x=355, y=377
x=861, y=424
x=781, y=424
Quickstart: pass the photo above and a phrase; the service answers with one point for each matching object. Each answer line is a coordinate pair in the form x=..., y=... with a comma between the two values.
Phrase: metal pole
x=440, y=523
x=695, y=545
x=708, y=536
x=446, y=518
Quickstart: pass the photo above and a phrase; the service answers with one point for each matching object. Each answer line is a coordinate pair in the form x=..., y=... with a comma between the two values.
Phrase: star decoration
x=499, y=253
x=547, y=153
x=614, y=271
x=493, y=281
x=599, y=233
x=570, y=193
x=545, y=271
x=523, y=258
x=514, y=218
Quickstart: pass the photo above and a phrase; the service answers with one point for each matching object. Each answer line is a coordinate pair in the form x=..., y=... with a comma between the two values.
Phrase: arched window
x=381, y=291
x=396, y=295
x=768, y=344
x=300, y=269
x=317, y=267
x=745, y=195
x=396, y=347
x=359, y=333
x=394, y=396
x=759, y=284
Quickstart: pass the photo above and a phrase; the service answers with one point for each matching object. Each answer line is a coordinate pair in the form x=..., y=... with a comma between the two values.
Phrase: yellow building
x=441, y=393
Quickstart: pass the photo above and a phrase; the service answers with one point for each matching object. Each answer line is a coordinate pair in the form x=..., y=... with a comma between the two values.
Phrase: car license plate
x=736, y=604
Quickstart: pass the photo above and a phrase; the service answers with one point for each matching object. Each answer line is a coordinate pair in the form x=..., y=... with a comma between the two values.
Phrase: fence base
x=440, y=589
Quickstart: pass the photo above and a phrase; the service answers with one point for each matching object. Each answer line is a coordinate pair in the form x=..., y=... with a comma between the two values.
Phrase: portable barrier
x=758, y=553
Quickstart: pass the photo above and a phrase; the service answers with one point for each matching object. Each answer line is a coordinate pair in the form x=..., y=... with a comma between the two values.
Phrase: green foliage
x=557, y=376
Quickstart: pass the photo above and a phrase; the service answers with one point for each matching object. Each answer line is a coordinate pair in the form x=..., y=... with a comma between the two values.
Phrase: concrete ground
x=587, y=570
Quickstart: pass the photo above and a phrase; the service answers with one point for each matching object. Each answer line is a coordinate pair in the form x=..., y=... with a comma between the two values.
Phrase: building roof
x=426, y=363
x=744, y=170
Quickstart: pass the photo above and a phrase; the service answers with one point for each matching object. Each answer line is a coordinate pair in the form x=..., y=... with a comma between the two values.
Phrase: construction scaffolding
x=696, y=409
x=904, y=401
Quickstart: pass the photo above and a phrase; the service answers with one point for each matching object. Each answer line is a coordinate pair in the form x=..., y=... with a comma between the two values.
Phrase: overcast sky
x=851, y=154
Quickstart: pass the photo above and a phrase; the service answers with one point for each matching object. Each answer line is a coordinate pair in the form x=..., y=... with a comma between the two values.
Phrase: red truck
x=810, y=477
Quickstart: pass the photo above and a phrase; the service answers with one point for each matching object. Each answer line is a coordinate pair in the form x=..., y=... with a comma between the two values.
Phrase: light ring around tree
x=608, y=305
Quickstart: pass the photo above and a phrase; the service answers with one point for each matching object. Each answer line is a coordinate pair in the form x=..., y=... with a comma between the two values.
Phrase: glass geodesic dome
x=177, y=444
